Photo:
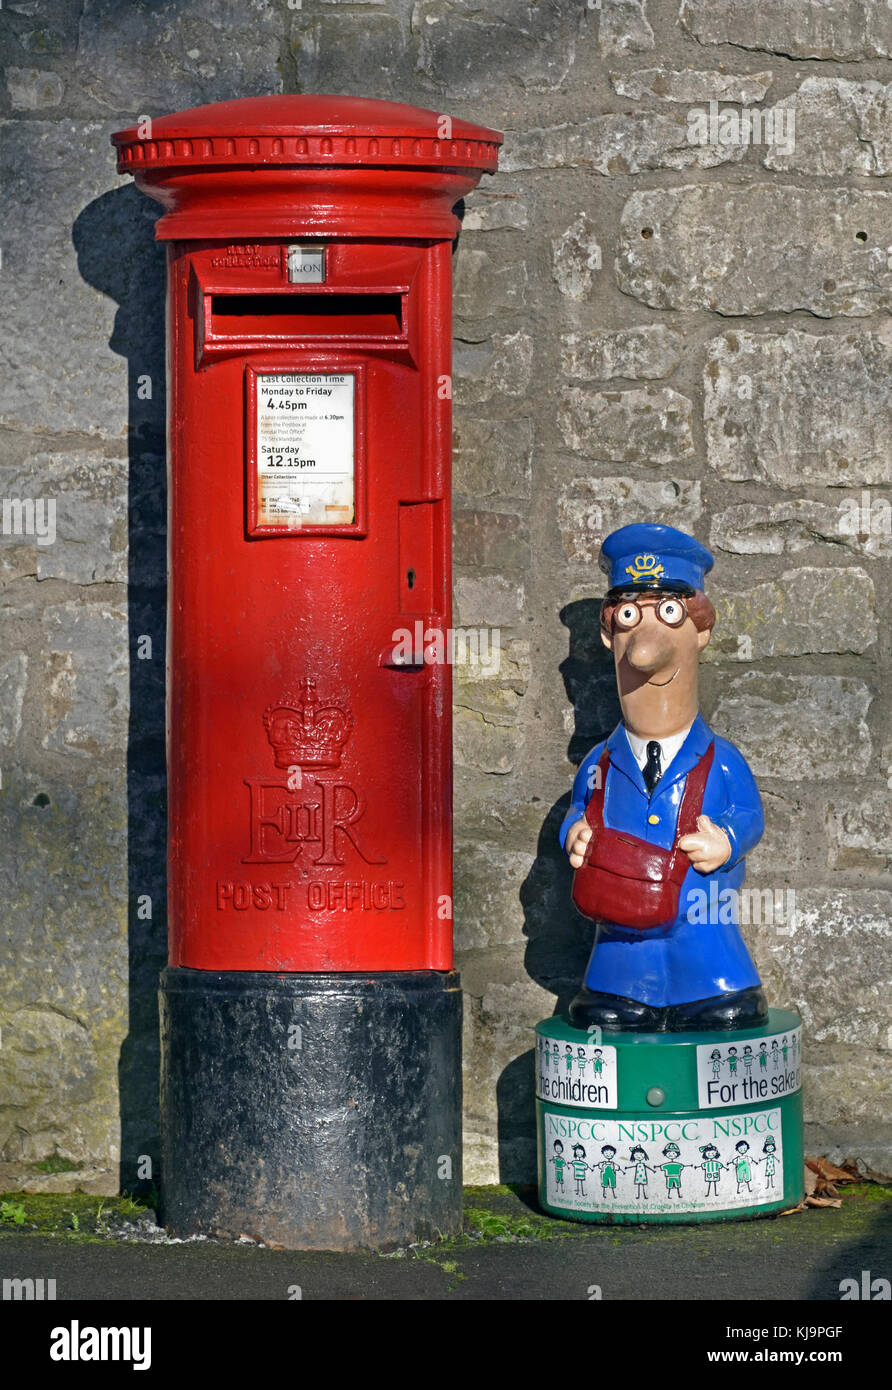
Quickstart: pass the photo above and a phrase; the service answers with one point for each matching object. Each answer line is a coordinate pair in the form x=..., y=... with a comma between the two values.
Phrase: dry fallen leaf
x=862, y=1172
x=828, y=1171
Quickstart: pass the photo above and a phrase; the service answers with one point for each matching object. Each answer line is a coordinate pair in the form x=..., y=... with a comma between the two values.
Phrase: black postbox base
x=315, y=1112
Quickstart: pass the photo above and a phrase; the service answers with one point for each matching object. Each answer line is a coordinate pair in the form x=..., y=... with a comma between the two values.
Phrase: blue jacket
x=701, y=953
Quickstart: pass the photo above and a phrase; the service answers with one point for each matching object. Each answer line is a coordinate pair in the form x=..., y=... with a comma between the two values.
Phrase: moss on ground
x=510, y=1213
x=492, y=1214
x=71, y=1214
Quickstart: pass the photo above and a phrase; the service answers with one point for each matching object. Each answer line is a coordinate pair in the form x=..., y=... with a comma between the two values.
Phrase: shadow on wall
x=117, y=254
x=559, y=937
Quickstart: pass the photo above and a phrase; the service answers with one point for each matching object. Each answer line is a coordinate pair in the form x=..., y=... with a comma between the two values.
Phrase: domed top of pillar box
x=307, y=165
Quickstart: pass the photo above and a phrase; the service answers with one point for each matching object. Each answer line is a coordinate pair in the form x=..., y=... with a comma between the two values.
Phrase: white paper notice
x=579, y=1074
x=305, y=449
x=737, y=1073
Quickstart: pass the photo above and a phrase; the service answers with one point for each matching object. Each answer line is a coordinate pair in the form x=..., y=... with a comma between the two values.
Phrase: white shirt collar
x=668, y=746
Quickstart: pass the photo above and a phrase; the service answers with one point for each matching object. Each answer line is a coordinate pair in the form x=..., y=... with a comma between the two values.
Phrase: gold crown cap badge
x=644, y=567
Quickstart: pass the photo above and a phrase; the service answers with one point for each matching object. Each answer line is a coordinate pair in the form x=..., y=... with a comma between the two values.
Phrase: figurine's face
x=653, y=637
x=656, y=645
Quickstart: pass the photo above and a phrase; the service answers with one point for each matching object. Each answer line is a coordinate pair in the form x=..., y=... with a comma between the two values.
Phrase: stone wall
x=671, y=302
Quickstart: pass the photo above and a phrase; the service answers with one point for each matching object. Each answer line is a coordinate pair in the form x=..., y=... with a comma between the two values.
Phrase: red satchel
x=627, y=880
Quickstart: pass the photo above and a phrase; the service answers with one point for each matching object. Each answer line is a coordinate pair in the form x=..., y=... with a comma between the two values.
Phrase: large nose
x=651, y=645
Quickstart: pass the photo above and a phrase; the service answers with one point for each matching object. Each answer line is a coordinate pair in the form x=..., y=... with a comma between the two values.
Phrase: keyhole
x=410, y=578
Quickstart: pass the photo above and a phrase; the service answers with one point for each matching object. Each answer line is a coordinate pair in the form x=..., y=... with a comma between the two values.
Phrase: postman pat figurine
x=663, y=812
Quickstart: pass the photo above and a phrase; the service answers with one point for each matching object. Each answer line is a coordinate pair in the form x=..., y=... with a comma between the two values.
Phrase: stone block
x=797, y=728
x=646, y=353
x=492, y=458
x=816, y=248
x=842, y=29
x=691, y=85
x=644, y=425
x=799, y=410
x=576, y=255
x=590, y=508
x=501, y=366
x=803, y=611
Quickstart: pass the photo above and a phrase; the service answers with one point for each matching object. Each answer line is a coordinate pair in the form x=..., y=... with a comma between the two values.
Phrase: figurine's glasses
x=629, y=612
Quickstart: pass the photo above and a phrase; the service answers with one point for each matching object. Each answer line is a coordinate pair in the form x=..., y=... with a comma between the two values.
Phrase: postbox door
x=310, y=794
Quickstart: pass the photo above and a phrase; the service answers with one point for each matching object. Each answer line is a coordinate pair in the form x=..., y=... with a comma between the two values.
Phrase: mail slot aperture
x=302, y=315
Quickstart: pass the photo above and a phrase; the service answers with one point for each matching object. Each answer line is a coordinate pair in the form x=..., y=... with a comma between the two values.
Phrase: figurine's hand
x=707, y=848
x=578, y=837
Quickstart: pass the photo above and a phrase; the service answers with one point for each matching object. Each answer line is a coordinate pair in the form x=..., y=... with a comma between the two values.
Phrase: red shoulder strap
x=691, y=800
x=692, y=797
x=594, y=811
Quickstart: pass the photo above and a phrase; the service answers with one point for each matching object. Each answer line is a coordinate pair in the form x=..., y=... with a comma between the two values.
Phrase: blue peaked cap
x=649, y=556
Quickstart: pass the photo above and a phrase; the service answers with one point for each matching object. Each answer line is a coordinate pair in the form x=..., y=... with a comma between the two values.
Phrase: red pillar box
x=310, y=1014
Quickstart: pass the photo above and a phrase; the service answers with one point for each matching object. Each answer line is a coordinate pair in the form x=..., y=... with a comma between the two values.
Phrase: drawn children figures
x=716, y=1058
x=784, y=1049
x=763, y=1056
x=775, y=1053
x=546, y=1056
x=581, y=1060
x=748, y=1059
x=559, y=1162
x=742, y=1169
x=732, y=1060
x=638, y=1161
x=608, y=1171
x=712, y=1168
x=598, y=1061
x=673, y=1169
x=769, y=1149
x=580, y=1168
x=568, y=1058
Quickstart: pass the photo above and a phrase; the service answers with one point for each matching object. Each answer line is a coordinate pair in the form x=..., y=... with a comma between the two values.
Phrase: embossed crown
x=303, y=732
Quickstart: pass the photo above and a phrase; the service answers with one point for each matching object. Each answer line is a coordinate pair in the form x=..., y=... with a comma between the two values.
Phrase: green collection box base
x=729, y=1102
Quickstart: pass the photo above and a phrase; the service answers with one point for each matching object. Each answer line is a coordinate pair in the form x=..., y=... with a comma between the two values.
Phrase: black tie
x=652, y=769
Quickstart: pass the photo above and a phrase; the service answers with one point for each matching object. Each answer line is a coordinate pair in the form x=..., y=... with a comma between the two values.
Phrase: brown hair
x=700, y=609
